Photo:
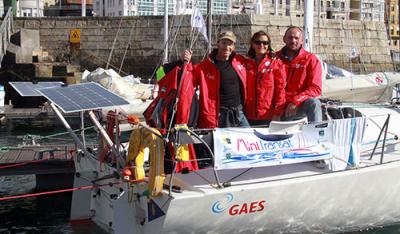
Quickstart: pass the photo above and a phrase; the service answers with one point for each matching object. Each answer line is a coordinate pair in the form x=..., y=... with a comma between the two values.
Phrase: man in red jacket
x=304, y=77
x=221, y=79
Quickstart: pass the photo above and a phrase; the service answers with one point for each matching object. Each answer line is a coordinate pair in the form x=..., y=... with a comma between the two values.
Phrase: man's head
x=225, y=45
x=293, y=38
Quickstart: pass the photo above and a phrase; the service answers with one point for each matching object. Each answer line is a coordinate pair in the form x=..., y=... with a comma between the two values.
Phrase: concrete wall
x=138, y=40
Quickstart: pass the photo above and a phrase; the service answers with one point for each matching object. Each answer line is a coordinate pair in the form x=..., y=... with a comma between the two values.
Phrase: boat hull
x=332, y=202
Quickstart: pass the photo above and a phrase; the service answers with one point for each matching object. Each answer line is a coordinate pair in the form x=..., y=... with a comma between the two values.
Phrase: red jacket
x=265, y=89
x=168, y=87
x=156, y=114
x=206, y=76
x=304, y=77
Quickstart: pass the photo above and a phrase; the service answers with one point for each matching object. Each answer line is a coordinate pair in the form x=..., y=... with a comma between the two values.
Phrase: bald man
x=304, y=78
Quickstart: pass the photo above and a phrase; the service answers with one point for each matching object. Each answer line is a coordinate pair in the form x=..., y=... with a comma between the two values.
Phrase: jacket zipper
x=290, y=76
x=258, y=79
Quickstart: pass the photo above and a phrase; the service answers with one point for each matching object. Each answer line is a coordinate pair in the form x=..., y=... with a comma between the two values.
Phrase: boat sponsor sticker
x=229, y=206
x=247, y=147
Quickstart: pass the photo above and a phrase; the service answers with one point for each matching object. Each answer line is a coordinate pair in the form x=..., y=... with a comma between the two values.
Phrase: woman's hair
x=252, y=53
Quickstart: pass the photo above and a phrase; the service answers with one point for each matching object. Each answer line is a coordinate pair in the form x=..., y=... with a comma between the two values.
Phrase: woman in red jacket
x=265, y=100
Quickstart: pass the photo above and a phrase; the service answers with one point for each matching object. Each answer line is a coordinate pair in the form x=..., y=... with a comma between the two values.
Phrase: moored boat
x=277, y=185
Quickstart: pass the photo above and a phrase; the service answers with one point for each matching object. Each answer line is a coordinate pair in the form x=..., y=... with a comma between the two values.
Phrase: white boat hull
x=293, y=198
x=330, y=202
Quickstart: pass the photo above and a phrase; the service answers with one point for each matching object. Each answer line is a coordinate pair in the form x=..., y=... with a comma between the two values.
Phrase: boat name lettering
x=247, y=208
x=263, y=145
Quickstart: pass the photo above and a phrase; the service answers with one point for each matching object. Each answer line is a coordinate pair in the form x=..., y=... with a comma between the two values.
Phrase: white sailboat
x=262, y=180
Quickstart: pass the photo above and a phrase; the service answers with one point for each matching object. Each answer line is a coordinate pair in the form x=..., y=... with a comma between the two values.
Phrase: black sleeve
x=169, y=66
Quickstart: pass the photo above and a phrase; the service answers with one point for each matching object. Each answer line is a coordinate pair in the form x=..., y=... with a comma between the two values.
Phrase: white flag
x=198, y=22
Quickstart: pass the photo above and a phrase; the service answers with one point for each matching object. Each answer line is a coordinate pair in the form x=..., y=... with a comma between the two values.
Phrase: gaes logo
x=220, y=206
x=237, y=209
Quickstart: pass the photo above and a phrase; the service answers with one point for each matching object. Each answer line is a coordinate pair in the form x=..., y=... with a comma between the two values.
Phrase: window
x=120, y=2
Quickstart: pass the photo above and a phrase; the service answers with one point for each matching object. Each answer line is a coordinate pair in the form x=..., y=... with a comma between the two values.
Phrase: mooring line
x=57, y=191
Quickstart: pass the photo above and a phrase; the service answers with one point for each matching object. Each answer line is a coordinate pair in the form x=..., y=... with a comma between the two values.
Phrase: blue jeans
x=310, y=108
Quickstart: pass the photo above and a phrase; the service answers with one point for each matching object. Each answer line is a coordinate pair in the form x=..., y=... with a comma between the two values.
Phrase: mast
x=165, y=59
x=209, y=24
x=83, y=8
x=308, y=24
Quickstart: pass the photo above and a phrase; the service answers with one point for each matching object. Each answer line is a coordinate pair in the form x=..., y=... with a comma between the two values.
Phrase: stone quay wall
x=134, y=45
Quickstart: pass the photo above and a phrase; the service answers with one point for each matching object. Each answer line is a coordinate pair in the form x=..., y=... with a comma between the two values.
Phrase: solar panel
x=29, y=89
x=80, y=97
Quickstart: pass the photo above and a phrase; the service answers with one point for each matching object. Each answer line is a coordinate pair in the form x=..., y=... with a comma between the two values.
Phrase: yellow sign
x=75, y=35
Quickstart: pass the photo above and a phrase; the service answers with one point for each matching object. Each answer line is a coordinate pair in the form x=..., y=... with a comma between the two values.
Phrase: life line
x=140, y=139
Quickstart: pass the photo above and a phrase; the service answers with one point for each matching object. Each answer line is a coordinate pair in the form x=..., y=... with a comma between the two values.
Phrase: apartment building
x=369, y=10
x=392, y=21
x=154, y=7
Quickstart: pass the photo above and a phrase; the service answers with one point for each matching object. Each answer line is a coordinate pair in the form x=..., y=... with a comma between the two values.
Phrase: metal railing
x=6, y=30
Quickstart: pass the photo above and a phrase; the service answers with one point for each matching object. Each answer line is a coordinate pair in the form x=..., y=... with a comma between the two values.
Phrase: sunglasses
x=257, y=42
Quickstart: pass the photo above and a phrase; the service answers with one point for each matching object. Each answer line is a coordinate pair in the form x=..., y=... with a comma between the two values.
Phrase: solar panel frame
x=82, y=97
x=29, y=89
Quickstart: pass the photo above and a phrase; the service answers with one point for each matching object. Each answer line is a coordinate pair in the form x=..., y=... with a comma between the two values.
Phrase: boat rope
x=128, y=46
x=22, y=164
x=173, y=34
x=60, y=133
x=93, y=56
x=57, y=191
x=4, y=149
x=114, y=42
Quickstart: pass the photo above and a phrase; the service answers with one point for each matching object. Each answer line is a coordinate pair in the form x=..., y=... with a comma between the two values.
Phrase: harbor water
x=50, y=213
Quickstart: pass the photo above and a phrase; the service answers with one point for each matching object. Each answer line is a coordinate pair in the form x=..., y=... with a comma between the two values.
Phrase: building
x=370, y=10
x=30, y=8
x=68, y=8
x=25, y=8
x=392, y=21
x=154, y=7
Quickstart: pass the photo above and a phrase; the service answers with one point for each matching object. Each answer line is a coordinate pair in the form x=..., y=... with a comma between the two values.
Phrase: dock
x=53, y=166
x=36, y=160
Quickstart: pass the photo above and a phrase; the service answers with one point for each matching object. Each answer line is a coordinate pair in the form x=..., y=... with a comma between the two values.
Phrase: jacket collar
x=300, y=53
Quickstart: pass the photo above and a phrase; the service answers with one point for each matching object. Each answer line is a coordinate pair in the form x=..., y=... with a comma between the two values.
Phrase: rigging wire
x=114, y=42
x=128, y=46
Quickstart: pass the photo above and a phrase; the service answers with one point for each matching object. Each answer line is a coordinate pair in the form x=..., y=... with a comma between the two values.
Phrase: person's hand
x=186, y=56
x=291, y=110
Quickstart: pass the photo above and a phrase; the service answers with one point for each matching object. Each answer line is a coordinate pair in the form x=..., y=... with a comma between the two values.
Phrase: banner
x=256, y=147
